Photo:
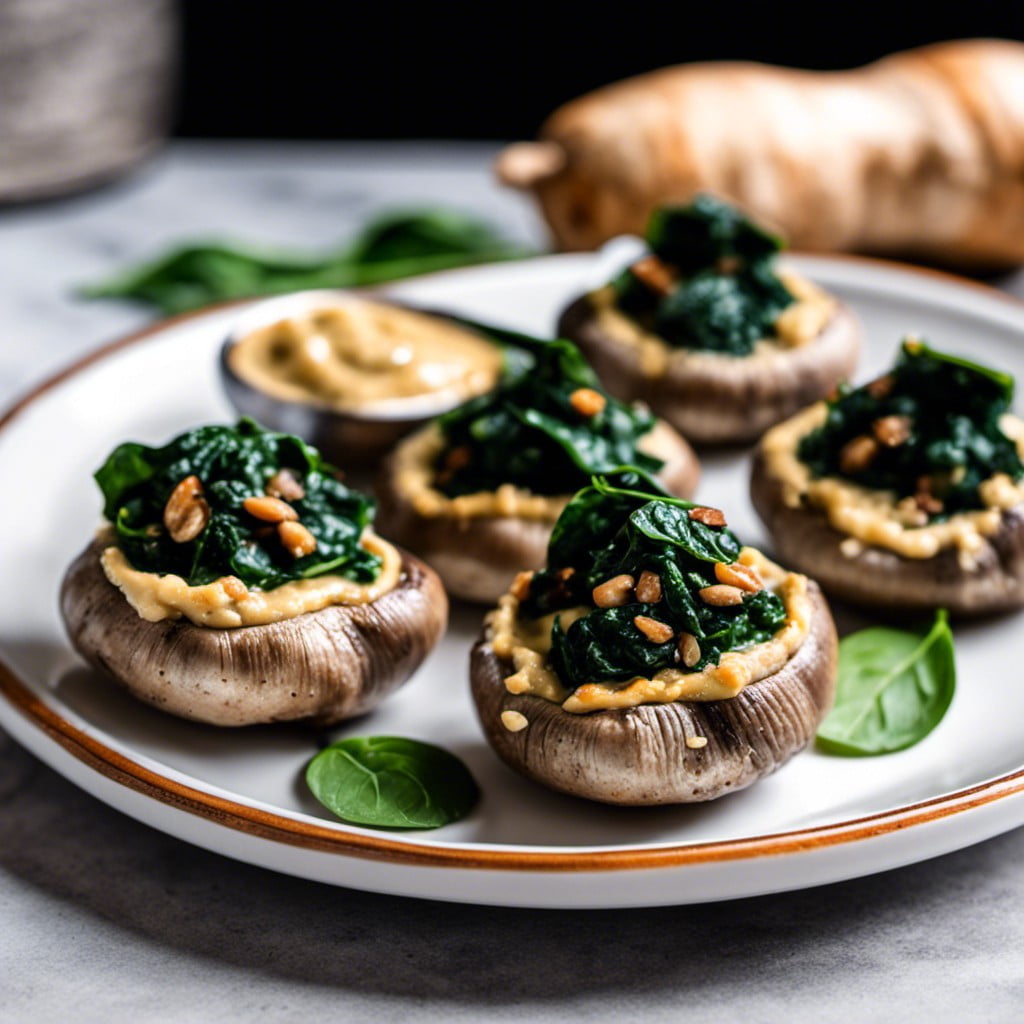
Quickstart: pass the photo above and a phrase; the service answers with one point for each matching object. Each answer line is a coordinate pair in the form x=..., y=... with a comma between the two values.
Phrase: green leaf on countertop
x=392, y=782
x=894, y=687
x=394, y=246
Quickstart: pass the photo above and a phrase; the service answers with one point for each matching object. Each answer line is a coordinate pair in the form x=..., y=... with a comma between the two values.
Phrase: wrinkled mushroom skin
x=883, y=579
x=478, y=558
x=322, y=666
x=720, y=399
x=638, y=756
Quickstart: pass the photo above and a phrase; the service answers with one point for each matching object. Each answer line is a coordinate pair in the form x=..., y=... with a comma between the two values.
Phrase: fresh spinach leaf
x=727, y=295
x=894, y=687
x=527, y=431
x=232, y=464
x=951, y=410
x=623, y=524
x=392, y=782
x=394, y=246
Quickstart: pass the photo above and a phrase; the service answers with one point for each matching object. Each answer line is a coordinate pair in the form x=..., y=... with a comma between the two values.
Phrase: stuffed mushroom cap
x=321, y=666
x=714, y=398
x=641, y=755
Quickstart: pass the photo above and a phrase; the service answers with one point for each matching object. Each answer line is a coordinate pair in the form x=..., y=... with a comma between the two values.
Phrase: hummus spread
x=220, y=604
x=362, y=356
x=798, y=325
x=526, y=644
x=416, y=457
x=871, y=517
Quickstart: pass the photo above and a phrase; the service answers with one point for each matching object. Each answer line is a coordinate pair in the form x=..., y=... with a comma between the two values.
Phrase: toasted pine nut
x=881, y=387
x=707, y=516
x=514, y=721
x=648, y=587
x=856, y=455
x=696, y=742
x=587, y=401
x=234, y=587
x=721, y=595
x=298, y=541
x=689, y=649
x=891, y=431
x=520, y=588
x=613, y=593
x=655, y=631
x=928, y=503
x=284, y=484
x=186, y=512
x=736, y=574
x=654, y=275
x=269, y=510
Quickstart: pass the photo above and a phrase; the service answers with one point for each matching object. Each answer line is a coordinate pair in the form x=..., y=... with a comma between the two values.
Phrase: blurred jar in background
x=85, y=90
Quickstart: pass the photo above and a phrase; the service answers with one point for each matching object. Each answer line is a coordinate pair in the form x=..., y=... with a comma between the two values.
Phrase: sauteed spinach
x=233, y=464
x=929, y=428
x=725, y=295
x=623, y=523
x=534, y=430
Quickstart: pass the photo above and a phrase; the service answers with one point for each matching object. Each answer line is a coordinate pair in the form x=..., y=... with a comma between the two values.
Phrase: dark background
x=308, y=69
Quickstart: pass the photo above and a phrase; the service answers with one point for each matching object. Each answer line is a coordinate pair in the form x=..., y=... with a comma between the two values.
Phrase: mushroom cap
x=477, y=558
x=882, y=579
x=323, y=666
x=638, y=756
x=713, y=398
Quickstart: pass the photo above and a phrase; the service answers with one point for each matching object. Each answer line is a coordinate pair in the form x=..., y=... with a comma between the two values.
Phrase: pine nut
x=707, y=516
x=284, y=484
x=520, y=588
x=587, y=401
x=186, y=513
x=856, y=455
x=654, y=275
x=689, y=649
x=655, y=631
x=269, y=510
x=298, y=541
x=891, y=431
x=613, y=593
x=721, y=595
x=234, y=587
x=881, y=387
x=736, y=574
x=648, y=588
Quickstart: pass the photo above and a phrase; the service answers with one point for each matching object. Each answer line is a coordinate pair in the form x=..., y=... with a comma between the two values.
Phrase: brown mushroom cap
x=478, y=558
x=638, y=756
x=883, y=579
x=720, y=399
x=324, y=666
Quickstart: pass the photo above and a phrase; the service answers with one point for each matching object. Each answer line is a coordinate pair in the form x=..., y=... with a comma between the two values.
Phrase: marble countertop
x=108, y=919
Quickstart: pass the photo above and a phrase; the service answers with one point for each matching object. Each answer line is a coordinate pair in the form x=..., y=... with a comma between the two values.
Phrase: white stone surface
x=103, y=919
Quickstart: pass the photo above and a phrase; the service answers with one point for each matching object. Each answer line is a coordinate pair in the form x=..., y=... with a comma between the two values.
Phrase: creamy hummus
x=799, y=324
x=526, y=643
x=414, y=472
x=871, y=517
x=360, y=355
x=222, y=605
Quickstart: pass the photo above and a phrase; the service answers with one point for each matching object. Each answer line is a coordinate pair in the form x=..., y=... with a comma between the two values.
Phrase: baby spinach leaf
x=527, y=431
x=392, y=782
x=396, y=245
x=727, y=295
x=952, y=410
x=232, y=464
x=894, y=688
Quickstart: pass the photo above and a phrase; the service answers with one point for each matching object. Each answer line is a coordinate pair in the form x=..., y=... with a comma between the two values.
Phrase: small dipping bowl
x=280, y=391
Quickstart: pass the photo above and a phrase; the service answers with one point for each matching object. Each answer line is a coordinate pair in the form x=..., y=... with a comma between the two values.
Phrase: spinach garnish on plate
x=625, y=524
x=394, y=246
x=530, y=430
x=894, y=687
x=392, y=782
x=725, y=295
x=929, y=430
x=232, y=464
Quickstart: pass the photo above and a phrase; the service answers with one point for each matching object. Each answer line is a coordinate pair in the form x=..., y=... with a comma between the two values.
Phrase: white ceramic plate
x=240, y=793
